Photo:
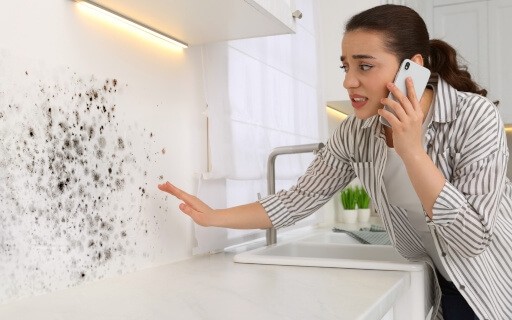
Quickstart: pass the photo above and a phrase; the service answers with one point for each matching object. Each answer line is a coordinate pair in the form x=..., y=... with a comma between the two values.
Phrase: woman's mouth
x=358, y=101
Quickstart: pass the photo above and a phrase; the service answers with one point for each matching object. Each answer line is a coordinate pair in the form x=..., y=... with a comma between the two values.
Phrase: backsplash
x=74, y=178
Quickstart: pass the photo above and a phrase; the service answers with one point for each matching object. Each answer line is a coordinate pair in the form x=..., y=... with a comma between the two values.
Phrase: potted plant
x=349, y=201
x=363, y=205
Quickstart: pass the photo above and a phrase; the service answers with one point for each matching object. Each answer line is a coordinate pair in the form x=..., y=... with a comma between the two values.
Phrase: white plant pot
x=349, y=216
x=363, y=215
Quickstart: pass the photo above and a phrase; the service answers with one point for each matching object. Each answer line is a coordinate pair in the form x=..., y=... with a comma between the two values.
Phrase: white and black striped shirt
x=472, y=216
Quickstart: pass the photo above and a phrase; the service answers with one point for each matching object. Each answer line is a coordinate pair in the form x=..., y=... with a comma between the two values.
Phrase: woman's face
x=368, y=68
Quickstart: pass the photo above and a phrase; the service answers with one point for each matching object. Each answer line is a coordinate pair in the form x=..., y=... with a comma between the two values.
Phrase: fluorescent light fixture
x=112, y=15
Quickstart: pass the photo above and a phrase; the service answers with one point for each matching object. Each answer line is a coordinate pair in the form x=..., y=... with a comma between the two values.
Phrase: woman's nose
x=350, y=81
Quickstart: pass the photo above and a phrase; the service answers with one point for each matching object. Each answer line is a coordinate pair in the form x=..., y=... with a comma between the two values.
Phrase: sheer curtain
x=261, y=93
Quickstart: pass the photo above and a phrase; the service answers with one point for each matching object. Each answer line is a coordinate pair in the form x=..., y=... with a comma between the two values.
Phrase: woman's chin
x=360, y=114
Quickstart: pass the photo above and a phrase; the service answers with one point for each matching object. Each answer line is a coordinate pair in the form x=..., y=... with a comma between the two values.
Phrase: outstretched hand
x=201, y=213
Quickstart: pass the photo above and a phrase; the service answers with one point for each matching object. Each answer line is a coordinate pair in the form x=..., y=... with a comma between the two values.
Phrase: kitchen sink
x=340, y=250
x=329, y=249
x=330, y=237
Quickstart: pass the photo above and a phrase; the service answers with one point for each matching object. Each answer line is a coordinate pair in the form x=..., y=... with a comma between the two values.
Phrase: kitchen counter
x=214, y=287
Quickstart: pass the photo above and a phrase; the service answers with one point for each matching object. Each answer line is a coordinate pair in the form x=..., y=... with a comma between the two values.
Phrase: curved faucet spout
x=271, y=175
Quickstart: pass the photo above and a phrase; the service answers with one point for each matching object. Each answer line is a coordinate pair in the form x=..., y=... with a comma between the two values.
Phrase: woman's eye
x=344, y=68
x=365, y=67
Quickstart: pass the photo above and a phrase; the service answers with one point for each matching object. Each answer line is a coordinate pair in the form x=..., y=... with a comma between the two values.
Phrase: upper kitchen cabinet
x=197, y=22
x=464, y=25
x=500, y=51
x=479, y=30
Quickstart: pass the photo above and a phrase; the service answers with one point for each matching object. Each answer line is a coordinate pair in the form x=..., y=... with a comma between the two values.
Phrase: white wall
x=50, y=52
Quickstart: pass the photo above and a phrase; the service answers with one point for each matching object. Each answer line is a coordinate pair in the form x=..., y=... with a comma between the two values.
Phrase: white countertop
x=214, y=287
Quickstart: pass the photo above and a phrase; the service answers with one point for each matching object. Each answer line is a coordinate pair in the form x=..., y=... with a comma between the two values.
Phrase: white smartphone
x=419, y=75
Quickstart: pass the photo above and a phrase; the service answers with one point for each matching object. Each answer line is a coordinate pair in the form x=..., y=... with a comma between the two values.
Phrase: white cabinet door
x=197, y=22
x=500, y=51
x=464, y=26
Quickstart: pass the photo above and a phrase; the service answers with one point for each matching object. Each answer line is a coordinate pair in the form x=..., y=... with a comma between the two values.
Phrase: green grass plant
x=349, y=198
x=363, y=199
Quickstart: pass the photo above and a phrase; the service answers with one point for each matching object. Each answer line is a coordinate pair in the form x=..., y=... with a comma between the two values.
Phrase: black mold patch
x=73, y=185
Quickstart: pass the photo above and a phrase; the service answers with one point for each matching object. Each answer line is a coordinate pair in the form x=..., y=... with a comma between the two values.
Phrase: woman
x=436, y=176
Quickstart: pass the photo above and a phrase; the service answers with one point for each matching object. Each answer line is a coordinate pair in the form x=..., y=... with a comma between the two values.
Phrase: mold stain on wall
x=73, y=180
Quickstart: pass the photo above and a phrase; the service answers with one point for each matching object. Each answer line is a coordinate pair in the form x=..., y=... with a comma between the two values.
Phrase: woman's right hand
x=248, y=216
x=201, y=213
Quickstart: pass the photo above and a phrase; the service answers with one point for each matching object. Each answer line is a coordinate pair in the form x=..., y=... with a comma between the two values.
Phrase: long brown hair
x=405, y=35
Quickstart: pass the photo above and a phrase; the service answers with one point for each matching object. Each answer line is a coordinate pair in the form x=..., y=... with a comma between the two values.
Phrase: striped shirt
x=472, y=216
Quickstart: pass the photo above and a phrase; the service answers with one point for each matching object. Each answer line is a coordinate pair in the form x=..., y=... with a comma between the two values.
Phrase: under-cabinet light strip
x=135, y=24
x=338, y=111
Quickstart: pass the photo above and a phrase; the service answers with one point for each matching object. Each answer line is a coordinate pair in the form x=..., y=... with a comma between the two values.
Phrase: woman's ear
x=418, y=58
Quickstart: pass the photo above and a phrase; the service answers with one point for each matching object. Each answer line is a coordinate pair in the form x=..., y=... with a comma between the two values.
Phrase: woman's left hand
x=407, y=124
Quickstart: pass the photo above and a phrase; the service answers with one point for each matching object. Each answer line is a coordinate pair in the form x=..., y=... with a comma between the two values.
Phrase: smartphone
x=419, y=75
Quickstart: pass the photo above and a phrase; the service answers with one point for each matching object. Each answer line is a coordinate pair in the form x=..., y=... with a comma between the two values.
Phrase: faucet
x=271, y=233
